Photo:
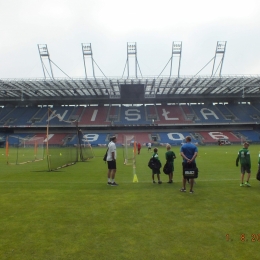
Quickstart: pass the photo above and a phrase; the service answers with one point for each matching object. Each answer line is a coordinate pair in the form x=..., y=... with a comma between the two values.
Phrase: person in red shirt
x=139, y=148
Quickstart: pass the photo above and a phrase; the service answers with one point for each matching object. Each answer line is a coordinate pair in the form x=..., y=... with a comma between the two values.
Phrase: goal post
x=24, y=149
x=128, y=151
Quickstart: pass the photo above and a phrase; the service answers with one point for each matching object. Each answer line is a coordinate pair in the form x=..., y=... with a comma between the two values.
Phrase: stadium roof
x=184, y=89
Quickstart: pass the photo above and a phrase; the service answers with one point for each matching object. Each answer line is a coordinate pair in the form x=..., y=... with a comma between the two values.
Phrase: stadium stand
x=240, y=112
x=188, y=112
x=94, y=115
x=252, y=112
x=248, y=135
x=4, y=115
x=133, y=116
x=139, y=137
x=225, y=112
x=213, y=136
x=151, y=113
x=113, y=114
x=23, y=115
x=207, y=114
x=173, y=138
x=76, y=113
x=172, y=114
x=104, y=116
x=40, y=118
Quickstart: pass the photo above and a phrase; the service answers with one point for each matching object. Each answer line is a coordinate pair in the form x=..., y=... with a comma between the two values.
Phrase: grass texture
x=73, y=214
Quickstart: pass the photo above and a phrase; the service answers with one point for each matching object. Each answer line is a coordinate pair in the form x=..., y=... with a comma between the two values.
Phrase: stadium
x=158, y=109
x=69, y=121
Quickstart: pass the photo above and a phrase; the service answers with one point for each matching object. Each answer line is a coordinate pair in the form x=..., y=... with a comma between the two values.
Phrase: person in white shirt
x=149, y=145
x=111, y=162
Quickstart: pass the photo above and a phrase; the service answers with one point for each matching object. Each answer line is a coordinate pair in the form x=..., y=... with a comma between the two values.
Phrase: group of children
x=169, y=156
x=243, y=157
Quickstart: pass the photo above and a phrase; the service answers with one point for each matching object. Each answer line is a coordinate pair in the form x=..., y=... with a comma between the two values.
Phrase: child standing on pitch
x=158, y=164
x=170, y=156
x=245, y=162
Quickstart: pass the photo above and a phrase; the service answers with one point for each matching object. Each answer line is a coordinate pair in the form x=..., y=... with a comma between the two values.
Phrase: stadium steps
x=6, y=115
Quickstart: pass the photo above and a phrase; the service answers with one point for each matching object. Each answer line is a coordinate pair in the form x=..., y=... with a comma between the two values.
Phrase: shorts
x=245, y=169
x=171, y=166
x=156, y=171
x=111, y=165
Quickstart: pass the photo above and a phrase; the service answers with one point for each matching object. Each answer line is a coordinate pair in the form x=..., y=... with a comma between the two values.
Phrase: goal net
x=24, y=149
x=85, y=148
x=60, y=151
x=128, y=151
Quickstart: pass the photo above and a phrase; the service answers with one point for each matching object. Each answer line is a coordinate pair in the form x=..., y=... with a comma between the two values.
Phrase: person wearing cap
x=245, y=164
x=111, y=162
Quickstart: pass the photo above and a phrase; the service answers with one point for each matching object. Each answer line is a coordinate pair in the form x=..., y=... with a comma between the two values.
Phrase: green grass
x=73, y=214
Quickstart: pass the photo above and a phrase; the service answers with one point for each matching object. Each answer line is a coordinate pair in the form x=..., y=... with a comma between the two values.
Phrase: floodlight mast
x=131, y=51
x=44, y=53
x=176, y=52
x=220, y=51
x=87, y=52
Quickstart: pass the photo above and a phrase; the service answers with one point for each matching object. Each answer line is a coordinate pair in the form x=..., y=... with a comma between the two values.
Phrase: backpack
x=258, y=175
x=154, y=164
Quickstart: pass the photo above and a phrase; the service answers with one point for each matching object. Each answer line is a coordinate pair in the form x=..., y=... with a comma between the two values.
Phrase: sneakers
x=182, y=190
x=169, y=181
x=191, y=191
x=153, y=181
x=247, y=184
x=108, y=183
x=159, y=182
x=114, y=184
x=242, y=185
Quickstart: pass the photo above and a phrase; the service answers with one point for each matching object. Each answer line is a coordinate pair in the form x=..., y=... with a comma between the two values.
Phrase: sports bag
x=258, y=174
x=190, y=171
x=154, y=164
x=166, y=168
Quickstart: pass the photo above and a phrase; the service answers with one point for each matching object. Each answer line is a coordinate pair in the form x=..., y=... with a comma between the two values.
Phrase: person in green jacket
x=157, y=169
x=170, y=156
x=245, y=163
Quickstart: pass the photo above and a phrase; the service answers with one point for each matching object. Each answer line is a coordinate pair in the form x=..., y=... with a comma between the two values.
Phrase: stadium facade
x=159, y=109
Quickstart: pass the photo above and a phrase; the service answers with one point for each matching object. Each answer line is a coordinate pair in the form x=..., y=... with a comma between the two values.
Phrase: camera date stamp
x=243, y=238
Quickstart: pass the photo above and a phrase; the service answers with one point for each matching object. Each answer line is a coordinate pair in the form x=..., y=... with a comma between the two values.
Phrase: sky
x=109, y=25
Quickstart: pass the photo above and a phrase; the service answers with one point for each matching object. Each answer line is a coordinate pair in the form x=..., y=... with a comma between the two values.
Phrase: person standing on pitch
x=149, y=145
x=189, y=152
x=139, y=148
x=170, y=156
x=111, y=162
x=245, y=163
x=158, y=164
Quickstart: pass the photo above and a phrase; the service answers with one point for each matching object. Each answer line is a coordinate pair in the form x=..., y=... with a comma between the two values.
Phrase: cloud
x=109, y=25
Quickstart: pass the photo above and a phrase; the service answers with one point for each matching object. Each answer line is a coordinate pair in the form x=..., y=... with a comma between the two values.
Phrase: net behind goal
x=60, y=151
x=24, y=149
x=85, y=149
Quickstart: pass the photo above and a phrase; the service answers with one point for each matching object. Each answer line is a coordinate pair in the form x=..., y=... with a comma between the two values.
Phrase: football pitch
x=72, y=213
